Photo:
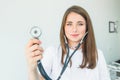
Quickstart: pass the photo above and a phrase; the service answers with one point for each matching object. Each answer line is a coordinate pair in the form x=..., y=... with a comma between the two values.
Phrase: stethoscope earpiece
x=84, y=37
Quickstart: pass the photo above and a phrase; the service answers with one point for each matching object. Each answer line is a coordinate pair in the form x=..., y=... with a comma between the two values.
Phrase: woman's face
x=75, y=27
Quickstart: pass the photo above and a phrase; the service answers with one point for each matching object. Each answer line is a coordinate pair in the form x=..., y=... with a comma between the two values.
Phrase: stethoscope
x=36, y=33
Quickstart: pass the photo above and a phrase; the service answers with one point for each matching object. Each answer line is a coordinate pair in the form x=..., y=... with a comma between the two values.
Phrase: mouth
x=74, y=35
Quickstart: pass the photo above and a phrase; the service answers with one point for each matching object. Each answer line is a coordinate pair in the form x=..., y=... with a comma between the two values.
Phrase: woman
x=87, y=63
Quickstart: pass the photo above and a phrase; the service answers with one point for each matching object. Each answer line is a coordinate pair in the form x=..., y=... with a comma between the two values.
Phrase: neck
x=73, y=45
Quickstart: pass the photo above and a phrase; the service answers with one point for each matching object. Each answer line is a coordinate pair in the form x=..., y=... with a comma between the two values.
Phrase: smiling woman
x=75, y=28
x=75, y=57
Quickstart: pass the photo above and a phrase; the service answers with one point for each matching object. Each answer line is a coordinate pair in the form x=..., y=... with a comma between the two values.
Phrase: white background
x=18, y=16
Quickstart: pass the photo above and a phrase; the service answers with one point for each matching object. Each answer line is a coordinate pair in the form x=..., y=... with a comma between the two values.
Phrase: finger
x=33, y=41
x=34, y=48
x=35, y=59
x=41, y=49
x=36, y=53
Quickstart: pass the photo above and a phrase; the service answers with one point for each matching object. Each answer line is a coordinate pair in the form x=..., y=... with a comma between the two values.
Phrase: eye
x=69, y=24
x=80, y=24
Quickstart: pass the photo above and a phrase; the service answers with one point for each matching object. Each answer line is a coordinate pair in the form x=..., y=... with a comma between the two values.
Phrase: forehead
x=72, y=16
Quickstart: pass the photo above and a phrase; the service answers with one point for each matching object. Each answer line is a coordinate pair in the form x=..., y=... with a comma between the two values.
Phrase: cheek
x=82, y=30
x=67, y=30
x=66, y=33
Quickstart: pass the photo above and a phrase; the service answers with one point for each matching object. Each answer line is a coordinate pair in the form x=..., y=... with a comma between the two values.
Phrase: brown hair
x=89, y=49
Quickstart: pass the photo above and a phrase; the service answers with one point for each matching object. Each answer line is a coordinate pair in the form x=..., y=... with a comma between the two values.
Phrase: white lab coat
x=52, y=64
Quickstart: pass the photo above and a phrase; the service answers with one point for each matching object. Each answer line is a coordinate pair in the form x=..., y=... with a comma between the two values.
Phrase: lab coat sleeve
x=47, y=60
x=102, y=66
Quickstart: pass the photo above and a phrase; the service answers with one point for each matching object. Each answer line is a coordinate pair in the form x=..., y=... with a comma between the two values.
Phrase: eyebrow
x=80, y=21
x=72, y=22
x=69, y=22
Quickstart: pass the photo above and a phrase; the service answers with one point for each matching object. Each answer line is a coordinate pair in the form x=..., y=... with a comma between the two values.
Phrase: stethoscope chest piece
x=35, y=32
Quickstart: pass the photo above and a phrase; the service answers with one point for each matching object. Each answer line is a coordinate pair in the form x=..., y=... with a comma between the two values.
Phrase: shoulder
x=101, y=58
x=49, y=54
x=52, y=50
x=100, y=53
x=102, y=67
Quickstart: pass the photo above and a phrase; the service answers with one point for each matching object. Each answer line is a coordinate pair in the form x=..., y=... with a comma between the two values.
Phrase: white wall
x=18, y=16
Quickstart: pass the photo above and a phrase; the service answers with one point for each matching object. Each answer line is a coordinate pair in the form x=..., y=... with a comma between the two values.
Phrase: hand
x=33, y=53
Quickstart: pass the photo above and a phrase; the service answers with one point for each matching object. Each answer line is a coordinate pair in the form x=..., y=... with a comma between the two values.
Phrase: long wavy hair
x=89, y=49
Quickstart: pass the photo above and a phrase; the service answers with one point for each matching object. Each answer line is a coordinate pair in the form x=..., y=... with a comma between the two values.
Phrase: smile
x=74, y=35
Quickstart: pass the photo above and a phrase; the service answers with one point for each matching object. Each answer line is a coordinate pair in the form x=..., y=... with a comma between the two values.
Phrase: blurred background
x=17, y=17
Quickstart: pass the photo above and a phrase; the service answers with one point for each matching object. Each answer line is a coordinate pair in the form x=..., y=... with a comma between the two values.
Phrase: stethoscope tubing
x=67, y=60
x=42, y=70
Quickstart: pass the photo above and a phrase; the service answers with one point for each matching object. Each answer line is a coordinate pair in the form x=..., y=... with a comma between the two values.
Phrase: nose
x=74, y=28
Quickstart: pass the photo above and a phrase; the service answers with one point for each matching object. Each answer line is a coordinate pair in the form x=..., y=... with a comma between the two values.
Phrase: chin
x=75, y=40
